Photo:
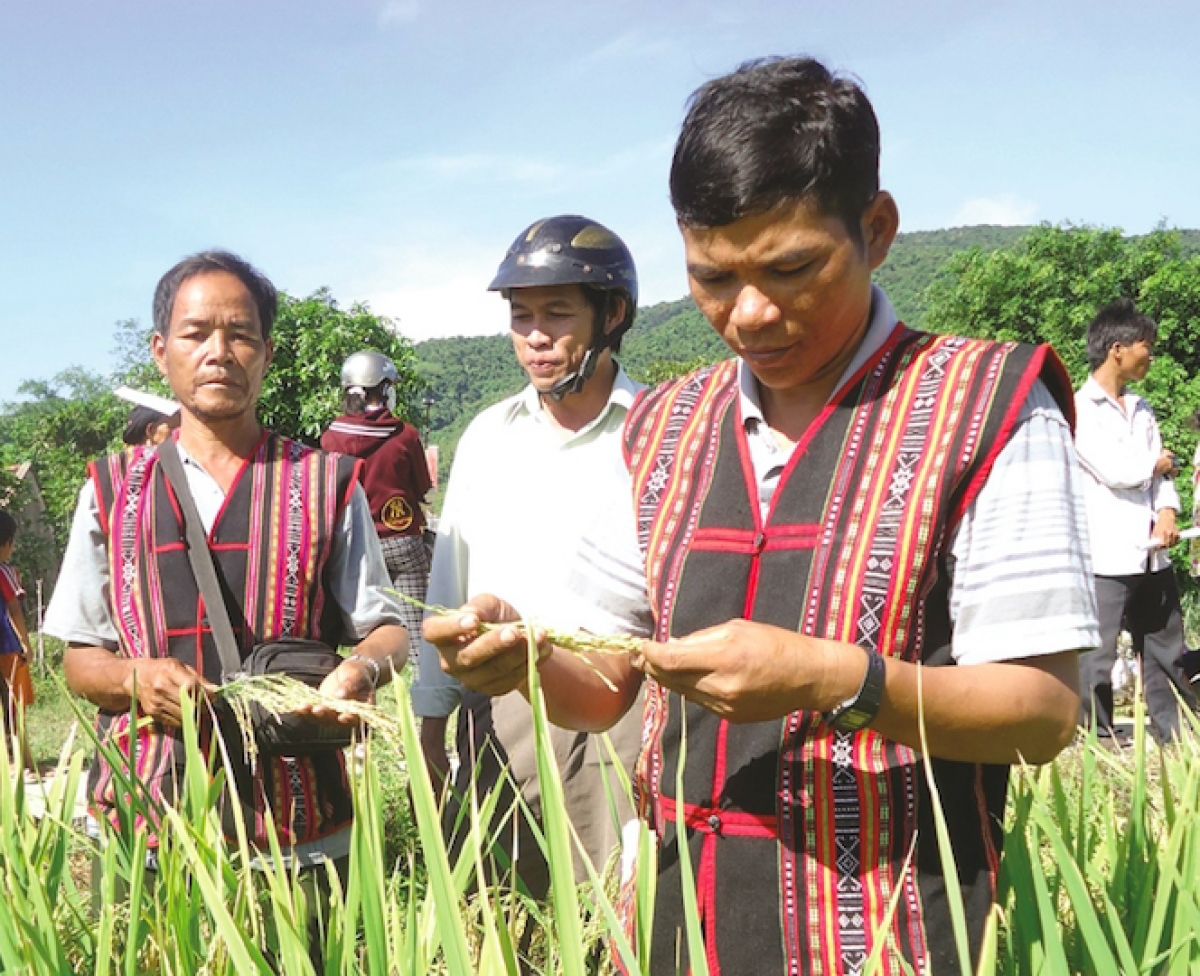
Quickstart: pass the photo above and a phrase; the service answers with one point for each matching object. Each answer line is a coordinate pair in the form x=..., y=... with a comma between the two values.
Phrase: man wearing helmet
x=394, y=474
x=572, y=292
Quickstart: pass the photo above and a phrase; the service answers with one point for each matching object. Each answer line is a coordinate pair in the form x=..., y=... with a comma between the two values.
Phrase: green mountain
x=465, y=375
x=917, y=259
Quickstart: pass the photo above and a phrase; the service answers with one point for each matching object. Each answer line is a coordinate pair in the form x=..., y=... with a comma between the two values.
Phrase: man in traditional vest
x=294, y=546
x=571, y=286
x=812, y=521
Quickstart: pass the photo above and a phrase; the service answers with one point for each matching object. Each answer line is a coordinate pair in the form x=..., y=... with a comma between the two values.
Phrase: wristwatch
x=858, y=712
x=373, y=666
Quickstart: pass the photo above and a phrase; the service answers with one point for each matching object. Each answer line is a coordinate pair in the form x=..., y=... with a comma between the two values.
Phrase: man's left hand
x=752, y=672
x=351, y=681
x=1165, y=530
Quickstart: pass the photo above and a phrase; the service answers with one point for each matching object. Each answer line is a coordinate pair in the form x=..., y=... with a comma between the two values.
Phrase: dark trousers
x=1149, y=604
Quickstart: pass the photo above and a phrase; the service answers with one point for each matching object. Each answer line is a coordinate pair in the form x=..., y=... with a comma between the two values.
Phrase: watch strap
x=373, y=666
x=859, y=711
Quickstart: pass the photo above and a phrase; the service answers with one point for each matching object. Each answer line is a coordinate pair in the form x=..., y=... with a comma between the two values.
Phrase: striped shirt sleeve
x=1022, y=581
x=10, y=583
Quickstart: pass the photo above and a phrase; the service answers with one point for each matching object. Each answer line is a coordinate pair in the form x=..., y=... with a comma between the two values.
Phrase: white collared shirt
x=1118, y=444
x=519, y=498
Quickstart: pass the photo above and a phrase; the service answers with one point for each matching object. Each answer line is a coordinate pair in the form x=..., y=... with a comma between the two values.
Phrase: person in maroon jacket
x=394, y=475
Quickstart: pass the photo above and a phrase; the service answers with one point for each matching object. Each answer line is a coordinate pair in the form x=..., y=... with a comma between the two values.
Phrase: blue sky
x=391, y=149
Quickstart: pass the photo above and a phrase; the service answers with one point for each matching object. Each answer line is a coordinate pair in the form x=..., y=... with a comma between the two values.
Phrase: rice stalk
x=280, y=694
x=578, y=642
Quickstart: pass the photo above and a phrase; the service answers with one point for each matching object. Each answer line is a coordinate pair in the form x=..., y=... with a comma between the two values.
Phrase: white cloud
x=450, y=307
x=1006, y=210
x=498, y=169
x=430, y=299
x=628, y=46
x=398, y=12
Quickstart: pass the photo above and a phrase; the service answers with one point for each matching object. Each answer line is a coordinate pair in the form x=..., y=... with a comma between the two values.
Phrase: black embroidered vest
x=271, y=542
x=799, y=834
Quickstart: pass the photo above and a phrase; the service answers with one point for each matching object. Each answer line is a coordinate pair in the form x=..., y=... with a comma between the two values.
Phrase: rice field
x=1099, y=876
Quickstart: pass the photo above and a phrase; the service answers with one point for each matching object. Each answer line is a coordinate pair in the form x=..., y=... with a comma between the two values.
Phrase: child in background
x=14, y=640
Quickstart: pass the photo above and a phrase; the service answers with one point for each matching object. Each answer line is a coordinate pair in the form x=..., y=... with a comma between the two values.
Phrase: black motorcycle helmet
x=573, y=250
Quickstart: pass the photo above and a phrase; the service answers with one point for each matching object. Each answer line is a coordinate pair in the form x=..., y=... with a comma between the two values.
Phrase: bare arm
x=996, y=713
x=16, y=613
x=576, y=697
x=387, y=646
x=109, y=681
x=1165, y=529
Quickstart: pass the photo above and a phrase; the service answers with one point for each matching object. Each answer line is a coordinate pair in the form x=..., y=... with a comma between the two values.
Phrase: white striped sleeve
x=1022, y=581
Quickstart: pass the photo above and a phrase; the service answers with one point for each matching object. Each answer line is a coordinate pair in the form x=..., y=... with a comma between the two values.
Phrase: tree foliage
x=65, y=422
x=918, y=259
x=313, y=337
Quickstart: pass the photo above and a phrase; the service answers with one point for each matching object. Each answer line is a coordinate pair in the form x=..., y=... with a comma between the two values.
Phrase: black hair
x=1118, y=321
x=603, y=301
x=371, y=398
x=266, y=298
x=141, y=418
x=8, y=528
x=775, y=131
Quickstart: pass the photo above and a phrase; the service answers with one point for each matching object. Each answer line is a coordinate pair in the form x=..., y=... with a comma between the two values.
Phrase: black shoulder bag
x=309, y=661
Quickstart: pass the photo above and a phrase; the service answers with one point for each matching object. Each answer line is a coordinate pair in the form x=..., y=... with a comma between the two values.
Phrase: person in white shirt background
x=1132, y=506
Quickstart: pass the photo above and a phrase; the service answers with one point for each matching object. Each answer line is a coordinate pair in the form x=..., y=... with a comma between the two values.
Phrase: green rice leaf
x=246, y=956
x=429, y=828
x=697, y=956
x=954, y=900
x=1096, y=943
x=563, y=895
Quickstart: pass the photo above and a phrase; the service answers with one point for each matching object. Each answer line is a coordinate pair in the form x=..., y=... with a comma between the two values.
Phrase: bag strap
x=201, y=558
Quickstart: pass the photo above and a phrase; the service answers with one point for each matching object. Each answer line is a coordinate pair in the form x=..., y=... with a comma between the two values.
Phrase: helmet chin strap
x=574, y=382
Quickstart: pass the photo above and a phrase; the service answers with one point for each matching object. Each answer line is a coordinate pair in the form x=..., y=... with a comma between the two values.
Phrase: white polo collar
x=623, y=391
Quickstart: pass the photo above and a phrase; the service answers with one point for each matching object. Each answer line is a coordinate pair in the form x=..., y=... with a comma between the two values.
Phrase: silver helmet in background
x=367, y=370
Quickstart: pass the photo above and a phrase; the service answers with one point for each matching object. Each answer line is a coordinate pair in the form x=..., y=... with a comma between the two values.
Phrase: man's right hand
x=160, y=683
x=1166, y=464
x=493, y=662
